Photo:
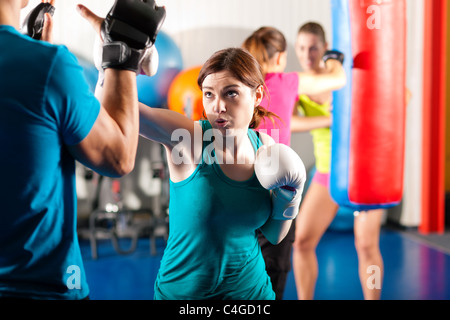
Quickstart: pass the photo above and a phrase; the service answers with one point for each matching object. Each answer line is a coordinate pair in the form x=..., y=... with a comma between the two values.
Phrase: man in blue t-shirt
x=48, y=119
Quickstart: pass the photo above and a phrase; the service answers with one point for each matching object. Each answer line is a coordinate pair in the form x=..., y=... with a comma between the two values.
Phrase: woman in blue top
x=217, y=202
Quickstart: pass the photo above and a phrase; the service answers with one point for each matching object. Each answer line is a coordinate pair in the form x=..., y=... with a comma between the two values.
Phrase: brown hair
x=244, y=67
x=313, y=28
x=264, y=43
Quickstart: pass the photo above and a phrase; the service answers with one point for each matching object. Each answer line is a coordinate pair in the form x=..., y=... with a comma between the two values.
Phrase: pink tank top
x=283, y=91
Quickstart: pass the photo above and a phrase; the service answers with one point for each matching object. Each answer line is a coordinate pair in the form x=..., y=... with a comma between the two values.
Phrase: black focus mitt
x=33, y=25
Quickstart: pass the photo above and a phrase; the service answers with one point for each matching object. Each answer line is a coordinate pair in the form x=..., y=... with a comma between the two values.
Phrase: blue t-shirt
x=213, y=250
x=45, y=104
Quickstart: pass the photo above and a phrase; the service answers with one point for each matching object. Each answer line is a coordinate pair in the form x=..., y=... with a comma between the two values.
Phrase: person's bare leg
x=316, y=213
x=367, y=242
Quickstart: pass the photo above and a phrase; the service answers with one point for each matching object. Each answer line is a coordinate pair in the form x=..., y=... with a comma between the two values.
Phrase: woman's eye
x=231, y=94
x=207, y=94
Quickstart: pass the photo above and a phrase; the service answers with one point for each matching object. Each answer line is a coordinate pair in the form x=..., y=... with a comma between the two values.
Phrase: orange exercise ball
x=185, y=96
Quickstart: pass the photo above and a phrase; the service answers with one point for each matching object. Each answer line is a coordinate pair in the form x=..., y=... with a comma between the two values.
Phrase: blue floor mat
x=413, y=270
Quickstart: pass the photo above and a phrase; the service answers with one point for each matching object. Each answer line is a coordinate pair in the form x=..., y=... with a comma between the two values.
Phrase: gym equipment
x=133, y=207
x=185, y=96
x=368, y=133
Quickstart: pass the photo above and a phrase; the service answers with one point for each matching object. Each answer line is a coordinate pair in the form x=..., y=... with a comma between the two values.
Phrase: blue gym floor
x=414, y=270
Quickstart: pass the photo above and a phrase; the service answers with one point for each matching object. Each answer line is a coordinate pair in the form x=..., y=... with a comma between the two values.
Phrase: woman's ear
x=259, y=95
x=281, y=58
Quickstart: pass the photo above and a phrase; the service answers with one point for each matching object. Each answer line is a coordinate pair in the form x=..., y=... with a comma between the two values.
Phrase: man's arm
x=110, y=147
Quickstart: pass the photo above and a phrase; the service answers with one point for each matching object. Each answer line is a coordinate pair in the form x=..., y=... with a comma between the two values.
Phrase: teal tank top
x=212, y=251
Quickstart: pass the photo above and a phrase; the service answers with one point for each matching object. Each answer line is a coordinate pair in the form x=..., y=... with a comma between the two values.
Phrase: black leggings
x=278, y=260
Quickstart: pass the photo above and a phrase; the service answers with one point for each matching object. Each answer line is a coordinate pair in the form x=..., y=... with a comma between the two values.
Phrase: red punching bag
x=370, y=113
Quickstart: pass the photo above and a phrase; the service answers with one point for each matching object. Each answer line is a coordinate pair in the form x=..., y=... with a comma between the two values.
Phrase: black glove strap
x=117, y=55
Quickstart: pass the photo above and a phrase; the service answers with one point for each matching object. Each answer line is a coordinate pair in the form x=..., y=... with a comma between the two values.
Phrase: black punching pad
x=33, y=24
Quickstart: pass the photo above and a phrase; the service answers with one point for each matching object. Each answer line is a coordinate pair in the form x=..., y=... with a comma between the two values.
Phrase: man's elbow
x=123, y=159
x=118, y=167
x=124, y=167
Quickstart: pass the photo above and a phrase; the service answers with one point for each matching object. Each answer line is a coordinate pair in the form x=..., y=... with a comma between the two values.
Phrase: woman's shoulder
x=283, y=79
x=285, y=76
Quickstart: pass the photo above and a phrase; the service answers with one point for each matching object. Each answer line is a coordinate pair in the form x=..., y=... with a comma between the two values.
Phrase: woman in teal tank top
x=216, y=202
x=212, y=251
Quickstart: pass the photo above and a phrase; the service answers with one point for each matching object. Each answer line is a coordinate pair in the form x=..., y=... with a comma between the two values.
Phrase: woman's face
x=228, y=103
x=309, y=49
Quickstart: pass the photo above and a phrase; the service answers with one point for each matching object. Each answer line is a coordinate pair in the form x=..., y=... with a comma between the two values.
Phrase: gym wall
x=201, y=27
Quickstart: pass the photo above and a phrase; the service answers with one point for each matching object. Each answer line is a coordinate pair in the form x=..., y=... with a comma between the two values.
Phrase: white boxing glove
x=280, y=169
x=150, y=62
